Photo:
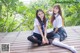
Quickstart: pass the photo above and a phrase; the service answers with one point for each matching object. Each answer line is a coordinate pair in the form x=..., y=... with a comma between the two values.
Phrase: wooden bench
x=19, y=43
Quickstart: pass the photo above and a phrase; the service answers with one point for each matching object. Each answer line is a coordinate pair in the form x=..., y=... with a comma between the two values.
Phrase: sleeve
x=36, y=22
x=58, y=21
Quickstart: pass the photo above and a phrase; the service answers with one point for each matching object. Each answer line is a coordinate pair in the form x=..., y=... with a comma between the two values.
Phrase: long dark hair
x=60, y=13
x=44, y=19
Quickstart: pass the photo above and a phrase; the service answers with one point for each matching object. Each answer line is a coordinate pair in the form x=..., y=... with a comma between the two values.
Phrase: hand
x=43, y=40
x=46, y=40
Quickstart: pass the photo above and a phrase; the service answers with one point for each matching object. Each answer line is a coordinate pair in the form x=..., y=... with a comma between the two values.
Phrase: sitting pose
x=59, y=34
x=39, y=36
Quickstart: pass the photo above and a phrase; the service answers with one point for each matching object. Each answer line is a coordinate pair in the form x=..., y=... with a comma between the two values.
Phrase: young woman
x=39, y=33
x=59, y=33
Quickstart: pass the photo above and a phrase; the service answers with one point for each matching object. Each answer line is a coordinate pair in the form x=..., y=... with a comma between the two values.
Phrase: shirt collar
x=56, y=15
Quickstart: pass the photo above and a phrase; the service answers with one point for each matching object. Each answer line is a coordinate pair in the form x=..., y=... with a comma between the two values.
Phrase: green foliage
x=9, y=8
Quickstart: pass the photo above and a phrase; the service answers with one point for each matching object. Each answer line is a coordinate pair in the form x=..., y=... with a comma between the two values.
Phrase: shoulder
x=36, y=20
x=59, y=17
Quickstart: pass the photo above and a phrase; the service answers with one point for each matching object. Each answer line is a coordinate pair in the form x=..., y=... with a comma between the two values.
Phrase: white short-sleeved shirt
x=36, y=22
x=57, y=22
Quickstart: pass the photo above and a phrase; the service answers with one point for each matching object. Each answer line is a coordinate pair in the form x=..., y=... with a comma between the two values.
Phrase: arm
x=39, y=27
x=45, y=31
x=56, y=30
x=43, y=37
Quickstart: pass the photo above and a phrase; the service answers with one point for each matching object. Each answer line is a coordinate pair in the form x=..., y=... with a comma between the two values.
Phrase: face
x=55, y=10
x=41, y=14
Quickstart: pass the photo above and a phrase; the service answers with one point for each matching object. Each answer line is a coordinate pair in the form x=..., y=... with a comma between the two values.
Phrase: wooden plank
x=20, y=44
x=10, y=37
x=2, y=35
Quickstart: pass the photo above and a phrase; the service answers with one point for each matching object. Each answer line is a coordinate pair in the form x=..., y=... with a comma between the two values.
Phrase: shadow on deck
x=19, y=43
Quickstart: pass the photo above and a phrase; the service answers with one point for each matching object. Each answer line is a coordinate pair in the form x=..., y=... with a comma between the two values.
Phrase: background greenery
x=9, y=9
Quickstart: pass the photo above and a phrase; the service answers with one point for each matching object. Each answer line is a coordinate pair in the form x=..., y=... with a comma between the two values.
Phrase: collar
x=56, y=15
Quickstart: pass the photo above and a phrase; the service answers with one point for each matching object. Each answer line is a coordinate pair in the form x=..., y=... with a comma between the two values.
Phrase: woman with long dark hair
x=39, y=36
x=59, y=33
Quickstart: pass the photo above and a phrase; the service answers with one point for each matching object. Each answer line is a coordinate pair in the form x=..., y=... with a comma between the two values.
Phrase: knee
x=54, y=42
x=29, y=37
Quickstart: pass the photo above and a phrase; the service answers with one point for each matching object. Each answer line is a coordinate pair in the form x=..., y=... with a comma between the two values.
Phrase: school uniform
x=61, y=33
x=36, y=32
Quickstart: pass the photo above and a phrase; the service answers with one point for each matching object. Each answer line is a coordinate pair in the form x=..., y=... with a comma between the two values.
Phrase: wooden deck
x=19, y=43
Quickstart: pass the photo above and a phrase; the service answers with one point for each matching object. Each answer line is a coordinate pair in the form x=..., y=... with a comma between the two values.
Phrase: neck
x=56, y=13
x=41, y=19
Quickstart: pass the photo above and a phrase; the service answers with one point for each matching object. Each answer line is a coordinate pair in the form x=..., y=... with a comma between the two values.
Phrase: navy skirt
x=39, y=37
x=61, y=34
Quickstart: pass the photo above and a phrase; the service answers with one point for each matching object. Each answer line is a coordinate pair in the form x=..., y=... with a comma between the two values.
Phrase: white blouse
x=57, y=22
x=36, y=30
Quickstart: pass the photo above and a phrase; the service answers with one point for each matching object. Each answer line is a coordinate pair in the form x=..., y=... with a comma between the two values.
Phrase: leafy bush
x=9, y=8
